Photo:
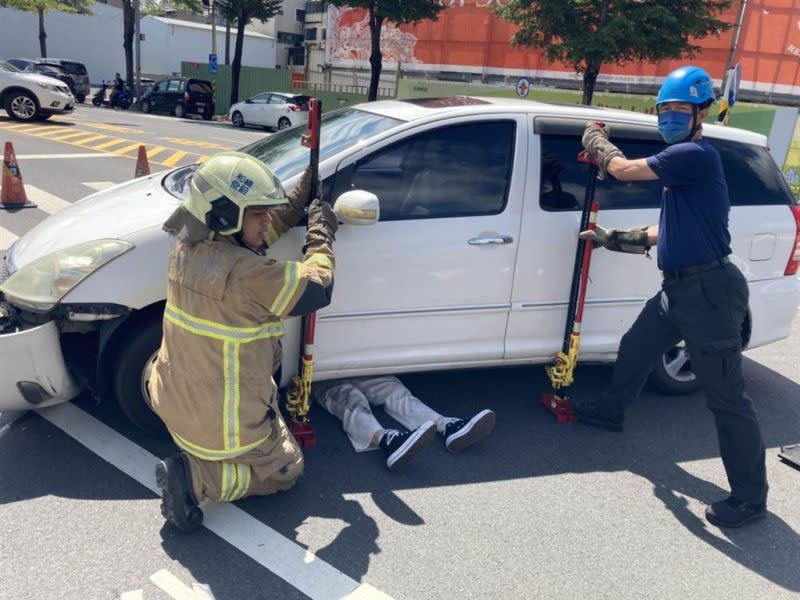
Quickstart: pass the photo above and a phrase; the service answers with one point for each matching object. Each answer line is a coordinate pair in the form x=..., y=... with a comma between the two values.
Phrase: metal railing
x=316, y=7
x=341, y=88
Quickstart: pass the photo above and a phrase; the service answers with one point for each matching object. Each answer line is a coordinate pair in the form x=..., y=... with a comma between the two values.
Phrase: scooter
x=121, y=99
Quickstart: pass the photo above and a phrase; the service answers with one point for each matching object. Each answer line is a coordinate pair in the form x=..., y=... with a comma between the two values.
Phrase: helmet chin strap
x=695, y=125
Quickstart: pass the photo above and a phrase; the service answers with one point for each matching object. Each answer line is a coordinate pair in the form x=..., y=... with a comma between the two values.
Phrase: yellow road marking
x=151, y=152
x=113, y=142
x=195, y=143
x=89, y=139
x=126, y=149
x=16, y=126
x=174, y=159
x=61, y=138
x=117, y=128
x=202, y=158
x=47, y=131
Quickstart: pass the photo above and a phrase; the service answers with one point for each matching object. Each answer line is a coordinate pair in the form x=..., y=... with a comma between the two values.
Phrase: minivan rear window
x=753, y=177
x=73, y=68
x=199, y=87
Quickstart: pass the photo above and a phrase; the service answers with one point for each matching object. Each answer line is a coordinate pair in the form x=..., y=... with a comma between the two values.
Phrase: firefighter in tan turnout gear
x=212, y=382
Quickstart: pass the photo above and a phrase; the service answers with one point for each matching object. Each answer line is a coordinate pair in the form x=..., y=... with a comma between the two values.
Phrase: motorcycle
x=121, y=99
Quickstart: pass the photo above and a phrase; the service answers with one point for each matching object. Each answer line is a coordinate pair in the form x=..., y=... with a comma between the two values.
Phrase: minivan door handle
x=496, y=239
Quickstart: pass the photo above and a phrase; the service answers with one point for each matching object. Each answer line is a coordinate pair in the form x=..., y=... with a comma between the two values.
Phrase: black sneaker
x=178, y=504
x=734, y=513
x=401, y=446
x=462, y=434
x=588, y=415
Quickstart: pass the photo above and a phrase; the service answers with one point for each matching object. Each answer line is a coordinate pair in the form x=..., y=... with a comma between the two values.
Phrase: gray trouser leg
x=343, y=400
x=399, y=402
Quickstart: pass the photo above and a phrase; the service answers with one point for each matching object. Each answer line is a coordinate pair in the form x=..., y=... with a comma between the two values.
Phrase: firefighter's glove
x=633, y=240
x=599, y=149
x=301, y=194
x=322, y=222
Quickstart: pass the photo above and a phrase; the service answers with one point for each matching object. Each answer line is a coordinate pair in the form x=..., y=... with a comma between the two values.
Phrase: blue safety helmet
x=687, y=84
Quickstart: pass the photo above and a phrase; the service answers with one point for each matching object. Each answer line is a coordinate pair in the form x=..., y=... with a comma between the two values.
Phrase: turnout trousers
x=707, y=310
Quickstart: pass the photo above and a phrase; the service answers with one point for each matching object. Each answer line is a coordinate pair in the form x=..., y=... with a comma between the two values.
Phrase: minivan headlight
x=40, y=285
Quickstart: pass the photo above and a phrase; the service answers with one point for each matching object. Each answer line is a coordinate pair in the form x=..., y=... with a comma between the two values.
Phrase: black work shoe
x=401, y=446
x=734, y=513
x=588, y=415
x=178, y=504
x=462, y=434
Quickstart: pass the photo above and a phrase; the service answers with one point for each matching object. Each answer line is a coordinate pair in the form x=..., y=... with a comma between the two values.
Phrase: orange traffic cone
x=142, y=165
x=12, y=196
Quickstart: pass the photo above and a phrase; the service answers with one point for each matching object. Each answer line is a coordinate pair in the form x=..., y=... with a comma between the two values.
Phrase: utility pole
x=137, y=32
x=737, y=30
x=213, y=9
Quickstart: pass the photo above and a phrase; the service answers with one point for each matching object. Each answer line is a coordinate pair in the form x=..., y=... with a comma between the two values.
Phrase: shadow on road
x=661, y=433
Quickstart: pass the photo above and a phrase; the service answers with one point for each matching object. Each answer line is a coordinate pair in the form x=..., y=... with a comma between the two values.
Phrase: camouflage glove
x=599, y=149
x=322, y=222
x=301, y=194
x=633, y=240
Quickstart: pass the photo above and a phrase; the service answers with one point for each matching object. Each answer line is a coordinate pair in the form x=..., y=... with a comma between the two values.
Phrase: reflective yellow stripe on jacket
x=232, y=338
x=235, y=481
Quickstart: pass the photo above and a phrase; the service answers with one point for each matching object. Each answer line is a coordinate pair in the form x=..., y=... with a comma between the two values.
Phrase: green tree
x=41, y=7
x=587, y=34
x=391, y=11
x=244, y=12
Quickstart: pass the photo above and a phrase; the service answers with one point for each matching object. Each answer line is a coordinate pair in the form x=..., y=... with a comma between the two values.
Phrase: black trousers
x=706, y=310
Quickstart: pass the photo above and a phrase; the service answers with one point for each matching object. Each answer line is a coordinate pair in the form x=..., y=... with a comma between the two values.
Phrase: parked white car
x=272, y=110
x=469, y=265
x=32, y=97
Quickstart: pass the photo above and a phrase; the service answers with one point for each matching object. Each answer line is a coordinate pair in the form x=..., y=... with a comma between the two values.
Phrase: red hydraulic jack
x=299, y=395
x=561, y=372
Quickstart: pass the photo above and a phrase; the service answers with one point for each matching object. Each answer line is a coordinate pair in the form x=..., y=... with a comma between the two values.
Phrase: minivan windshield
x=340, y=130
x=283, y=154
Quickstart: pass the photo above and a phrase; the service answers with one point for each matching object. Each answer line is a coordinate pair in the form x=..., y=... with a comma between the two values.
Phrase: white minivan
x=469, y=265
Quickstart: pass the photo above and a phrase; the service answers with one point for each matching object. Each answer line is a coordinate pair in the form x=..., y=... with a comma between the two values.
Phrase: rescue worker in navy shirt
x=704, y=297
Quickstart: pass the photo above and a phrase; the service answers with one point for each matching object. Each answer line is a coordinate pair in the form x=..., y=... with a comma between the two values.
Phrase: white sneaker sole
x=421, y=437
x=477, y=428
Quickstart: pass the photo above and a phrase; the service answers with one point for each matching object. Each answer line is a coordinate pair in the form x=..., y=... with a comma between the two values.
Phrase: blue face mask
x=674, y=126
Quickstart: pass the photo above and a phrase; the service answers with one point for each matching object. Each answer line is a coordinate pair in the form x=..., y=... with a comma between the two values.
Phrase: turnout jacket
x=212, y=380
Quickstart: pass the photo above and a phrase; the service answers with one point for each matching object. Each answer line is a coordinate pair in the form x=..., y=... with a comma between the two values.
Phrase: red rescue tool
x=561, y=372
x=298, y=396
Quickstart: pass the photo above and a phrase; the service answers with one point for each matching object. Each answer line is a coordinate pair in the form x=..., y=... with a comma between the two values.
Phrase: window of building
x=311, y=34
x=300, y=15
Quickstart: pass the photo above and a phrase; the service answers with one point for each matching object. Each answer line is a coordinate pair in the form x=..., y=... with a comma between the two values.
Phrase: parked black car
x=180, y=96
x=29, y=65
x=73, y=68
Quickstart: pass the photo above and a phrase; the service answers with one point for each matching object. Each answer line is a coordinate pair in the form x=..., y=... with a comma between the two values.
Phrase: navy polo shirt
x=693, y=227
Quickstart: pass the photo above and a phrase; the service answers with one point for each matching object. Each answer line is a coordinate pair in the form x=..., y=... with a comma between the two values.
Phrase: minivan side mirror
x=248, y=101
x=358, y=207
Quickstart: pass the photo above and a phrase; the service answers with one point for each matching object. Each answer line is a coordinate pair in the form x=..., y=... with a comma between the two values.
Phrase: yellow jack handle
x=562, y=372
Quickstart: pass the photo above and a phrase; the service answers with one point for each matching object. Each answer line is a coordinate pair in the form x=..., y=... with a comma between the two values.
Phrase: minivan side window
x=456, y=171
x=174, y=85
x=753, y=178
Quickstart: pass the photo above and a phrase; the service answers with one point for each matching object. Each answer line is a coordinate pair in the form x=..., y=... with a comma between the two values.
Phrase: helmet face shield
x=228, y=183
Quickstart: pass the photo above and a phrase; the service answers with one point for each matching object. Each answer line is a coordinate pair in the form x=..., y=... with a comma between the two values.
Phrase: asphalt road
x=539, y=511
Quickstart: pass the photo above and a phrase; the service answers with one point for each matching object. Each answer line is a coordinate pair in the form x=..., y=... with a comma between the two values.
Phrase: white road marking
x=292, y=563
x=60, y=156
x=45, y=201
x=173, y=586
x=99, y=185
x=7, y=238
x=134, y=595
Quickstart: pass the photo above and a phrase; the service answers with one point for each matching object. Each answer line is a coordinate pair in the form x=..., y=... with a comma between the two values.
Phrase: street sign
x=212, y=64
x=523, y=88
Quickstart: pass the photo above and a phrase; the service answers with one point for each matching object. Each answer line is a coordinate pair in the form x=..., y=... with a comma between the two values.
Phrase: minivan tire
x=129, y=370
x=22, y=106
x=179, y=110
x=208, y=114
x=673, y=374
x=81, y=98
x=284, y=123
x=237, y=120
x=146, y=106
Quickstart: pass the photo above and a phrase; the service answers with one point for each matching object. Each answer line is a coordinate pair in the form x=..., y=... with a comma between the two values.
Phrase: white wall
x=168, y=43
x=95, y=40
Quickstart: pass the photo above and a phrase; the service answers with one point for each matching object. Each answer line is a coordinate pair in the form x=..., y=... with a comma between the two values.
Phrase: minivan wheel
x=131, y=372
x=179, y=111
x=146, y=106
x=22, y=106
x=237, y=119
x=208, y=114
x=283, y=123
x=673, y=374
x=80, y=98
